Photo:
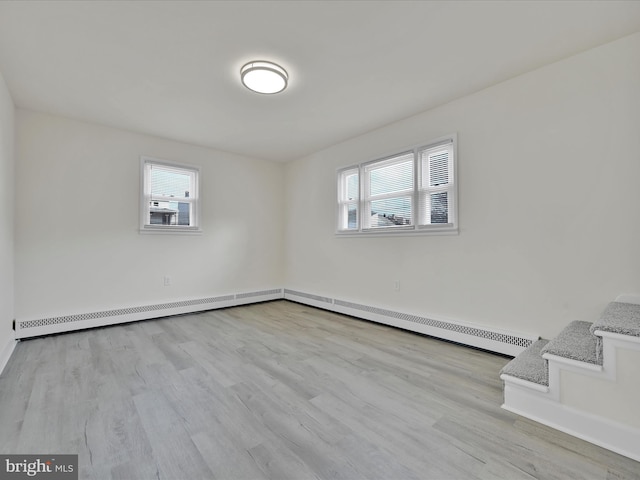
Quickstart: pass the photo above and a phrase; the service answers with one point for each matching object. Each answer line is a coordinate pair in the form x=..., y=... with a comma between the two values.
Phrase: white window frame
x=344, y=202
x=420, y=194
x=368, y=197
x=146, y=198
x=425, y=191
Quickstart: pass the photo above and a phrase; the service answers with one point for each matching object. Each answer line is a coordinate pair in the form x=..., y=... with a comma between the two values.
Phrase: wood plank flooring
x=278, y=391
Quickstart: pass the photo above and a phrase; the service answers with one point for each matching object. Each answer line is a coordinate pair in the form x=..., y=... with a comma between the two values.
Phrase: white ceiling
x=171, y=68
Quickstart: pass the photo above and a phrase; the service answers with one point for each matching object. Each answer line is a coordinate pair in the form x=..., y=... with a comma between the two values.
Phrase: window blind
x=407, y=192
x=435, y=190
x=169, y=197
x=388, y=188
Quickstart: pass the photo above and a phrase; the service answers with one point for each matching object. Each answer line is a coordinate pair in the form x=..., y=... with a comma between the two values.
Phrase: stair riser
x=600, y=431
x=580, y=414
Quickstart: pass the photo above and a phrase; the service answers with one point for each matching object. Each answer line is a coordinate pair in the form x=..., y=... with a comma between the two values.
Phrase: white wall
x=616, y=400
x=549, y=225
x=78, y=246
x=549, y=169
x=6, y=218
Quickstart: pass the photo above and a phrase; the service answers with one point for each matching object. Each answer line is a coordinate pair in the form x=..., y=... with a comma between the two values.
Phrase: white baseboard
x=545, y=404
x=501, y=341
x=27, y=328
x=6, y=352
x=595, y=429
x=487, y=338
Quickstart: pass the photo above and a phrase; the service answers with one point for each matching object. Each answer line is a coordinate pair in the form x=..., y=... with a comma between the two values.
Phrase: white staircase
x=585, y=381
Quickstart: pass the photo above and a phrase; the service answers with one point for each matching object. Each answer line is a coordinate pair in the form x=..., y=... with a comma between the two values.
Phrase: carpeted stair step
x=575, y=342
x=618, y=317
x=529, y=365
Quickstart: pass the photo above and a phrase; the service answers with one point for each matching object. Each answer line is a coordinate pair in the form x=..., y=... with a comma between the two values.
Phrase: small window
x=410, y=192
x=169, y=201
x=436, y=193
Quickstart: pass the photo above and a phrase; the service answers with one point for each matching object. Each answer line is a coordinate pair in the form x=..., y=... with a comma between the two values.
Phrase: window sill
x=400, y=232
x=159, y=230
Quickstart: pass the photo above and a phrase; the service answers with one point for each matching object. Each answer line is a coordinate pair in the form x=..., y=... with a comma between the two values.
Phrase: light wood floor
x=277, y=391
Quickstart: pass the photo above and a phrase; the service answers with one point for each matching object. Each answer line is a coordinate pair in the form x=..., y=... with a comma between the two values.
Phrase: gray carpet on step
x=529, y=365
x=618, y=317
x=575, y=342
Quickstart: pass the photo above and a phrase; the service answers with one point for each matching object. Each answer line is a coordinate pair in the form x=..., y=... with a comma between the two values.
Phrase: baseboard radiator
x=508, y=343
x=65, y=323
x=500, y=341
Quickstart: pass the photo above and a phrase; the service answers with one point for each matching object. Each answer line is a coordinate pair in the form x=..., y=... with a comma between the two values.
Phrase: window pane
x=391, y=178
x=352, y=216
x=184, y=212
x=348, y=188
x=170, y=196
x=439, y=208
x=439, y=168
x=380, y=194
x=352, y=186
x=390, y=212
x=169, y=213
x=161, y=213
x=169, y=183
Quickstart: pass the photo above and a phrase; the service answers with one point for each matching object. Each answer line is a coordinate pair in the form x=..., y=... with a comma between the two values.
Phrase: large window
x=169, y=200
x=412, y=191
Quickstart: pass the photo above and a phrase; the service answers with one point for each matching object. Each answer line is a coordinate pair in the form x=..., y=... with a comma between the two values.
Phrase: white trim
x=617, y=336
x=544, y=405
x=71, y=321
x=194, y=199
x=367, y=198
x=628, y=298
x=322, y=304
x=406, y=321
x=80, y=321
x=446, y=229
x=525, y=383
x=595, y=429
x=556, y=364
x=173, y=230
x=388, y=160
x=425, y=191
x=416, y=228
x=343, y=202
x=7, y=351
x=570, y=362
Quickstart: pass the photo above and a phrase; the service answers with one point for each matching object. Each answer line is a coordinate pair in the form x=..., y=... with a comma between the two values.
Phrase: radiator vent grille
x=476, y=332
x=122, y=311
x=454, y=327
x=275, y=291
x=317, y=298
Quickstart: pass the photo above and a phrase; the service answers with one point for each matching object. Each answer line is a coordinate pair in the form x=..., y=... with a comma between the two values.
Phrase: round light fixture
x=264, y=77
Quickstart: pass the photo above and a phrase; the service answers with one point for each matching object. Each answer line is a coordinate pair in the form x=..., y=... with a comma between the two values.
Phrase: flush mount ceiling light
x=264, y=77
